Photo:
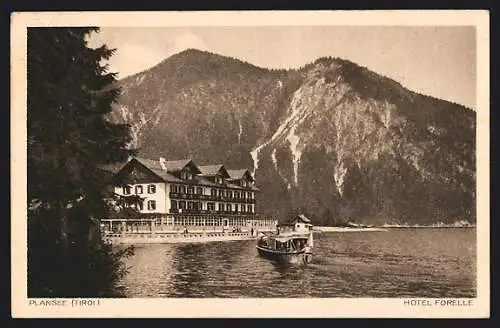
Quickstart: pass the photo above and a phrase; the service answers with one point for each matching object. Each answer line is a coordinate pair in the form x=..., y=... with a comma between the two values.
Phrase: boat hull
x=298, y=257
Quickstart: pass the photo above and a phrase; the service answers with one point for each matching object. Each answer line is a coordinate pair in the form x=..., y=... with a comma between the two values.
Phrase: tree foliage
x=69, y=141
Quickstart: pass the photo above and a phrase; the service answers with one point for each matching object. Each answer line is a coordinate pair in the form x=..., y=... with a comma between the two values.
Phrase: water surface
x=393, y=263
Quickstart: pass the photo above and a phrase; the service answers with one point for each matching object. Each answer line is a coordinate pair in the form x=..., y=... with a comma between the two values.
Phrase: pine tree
x=70, y=94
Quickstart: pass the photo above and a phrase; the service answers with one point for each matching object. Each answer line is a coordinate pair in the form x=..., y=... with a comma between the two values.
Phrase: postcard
x=250, y=164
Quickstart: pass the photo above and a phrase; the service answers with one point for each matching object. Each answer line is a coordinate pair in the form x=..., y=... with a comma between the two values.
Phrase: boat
x=291, y=244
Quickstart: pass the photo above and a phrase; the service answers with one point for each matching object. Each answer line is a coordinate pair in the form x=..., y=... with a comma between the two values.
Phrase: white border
x=311, y=307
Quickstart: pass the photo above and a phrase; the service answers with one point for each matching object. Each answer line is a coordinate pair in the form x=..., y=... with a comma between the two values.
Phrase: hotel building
x=177, y=195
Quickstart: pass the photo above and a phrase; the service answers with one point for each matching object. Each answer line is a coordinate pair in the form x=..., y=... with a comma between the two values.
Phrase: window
x=182, y=204
x=151, y=189
x=228, y=207
x=221, y=207
x=210, y=206
x=190, y=205
x=127, y=190
x=199, y=190
x=139, y=206
x=151, y=205
x=190, y=190
x=243, y=208
x=182, y=189
x=183, y=175
x=173, y=188
x=173, y=204
x=213, y=192
x=219, y=192
x=249, y=195
x=236, y=207
x=138, y=189
x=243, y=183
x=249, y=207
x=236, y=194
x=229, y=194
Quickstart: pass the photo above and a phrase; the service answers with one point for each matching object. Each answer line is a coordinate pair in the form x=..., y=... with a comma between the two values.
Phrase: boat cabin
x=297, y=224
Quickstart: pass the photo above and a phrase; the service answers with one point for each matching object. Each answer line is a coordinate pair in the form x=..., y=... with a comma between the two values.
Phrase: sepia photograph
x=235, y=161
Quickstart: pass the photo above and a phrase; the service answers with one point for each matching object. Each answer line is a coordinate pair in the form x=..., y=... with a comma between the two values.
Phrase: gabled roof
x=239, y=174
x=211, y=170
x=300, y=217
x=166, y=176
x=171, y=166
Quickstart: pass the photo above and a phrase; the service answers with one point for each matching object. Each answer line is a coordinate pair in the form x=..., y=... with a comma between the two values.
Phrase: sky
x=437, y=61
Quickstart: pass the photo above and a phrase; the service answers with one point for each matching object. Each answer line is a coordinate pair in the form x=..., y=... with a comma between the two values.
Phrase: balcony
x=212, y=212
x=175, y=195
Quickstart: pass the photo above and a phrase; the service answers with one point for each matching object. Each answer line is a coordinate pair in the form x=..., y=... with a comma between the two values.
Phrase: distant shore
x=346, y=229
x=384, y=228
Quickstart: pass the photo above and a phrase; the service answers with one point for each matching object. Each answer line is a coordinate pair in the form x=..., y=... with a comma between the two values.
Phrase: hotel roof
x=156, y=167
x=171, y=166
x=209, y=170
x=238, y=174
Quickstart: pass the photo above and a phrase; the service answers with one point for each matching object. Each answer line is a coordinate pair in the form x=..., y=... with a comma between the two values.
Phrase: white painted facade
x=159, y=201
x=154, y=202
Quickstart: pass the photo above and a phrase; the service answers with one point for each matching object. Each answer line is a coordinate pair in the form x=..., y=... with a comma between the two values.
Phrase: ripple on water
x=396, y=263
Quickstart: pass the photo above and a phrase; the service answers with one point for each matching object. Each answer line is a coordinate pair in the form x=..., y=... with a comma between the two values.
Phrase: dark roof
x=176, y=165
x=239, y=174
x=171, y=166
x=209, y=170
x=300, y=217
x=198, y=179
x=165, y=175
x=236, y=174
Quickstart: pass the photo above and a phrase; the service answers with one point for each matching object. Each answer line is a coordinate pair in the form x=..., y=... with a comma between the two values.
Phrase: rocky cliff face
x=332, y=139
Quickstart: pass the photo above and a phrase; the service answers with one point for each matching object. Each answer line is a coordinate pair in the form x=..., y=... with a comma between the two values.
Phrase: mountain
x=332, y=139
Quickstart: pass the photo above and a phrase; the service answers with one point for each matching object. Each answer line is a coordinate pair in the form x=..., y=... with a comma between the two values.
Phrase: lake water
x=393, y=263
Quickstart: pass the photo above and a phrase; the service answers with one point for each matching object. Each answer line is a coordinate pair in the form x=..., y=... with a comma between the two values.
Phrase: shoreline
x=346, y=229
x=384, y=228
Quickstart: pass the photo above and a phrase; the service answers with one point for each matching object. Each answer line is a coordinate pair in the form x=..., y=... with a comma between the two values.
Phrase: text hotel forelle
x=439, y=302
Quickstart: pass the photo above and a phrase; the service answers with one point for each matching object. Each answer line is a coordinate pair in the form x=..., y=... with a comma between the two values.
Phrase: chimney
x=162, y=163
